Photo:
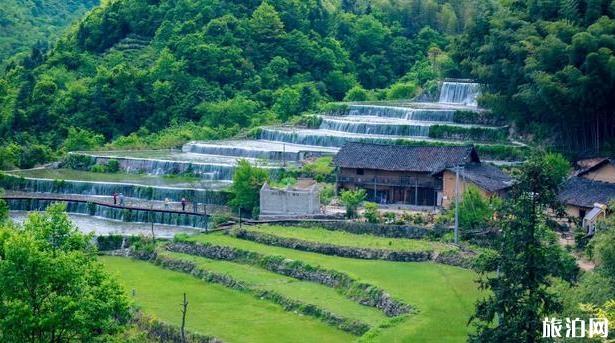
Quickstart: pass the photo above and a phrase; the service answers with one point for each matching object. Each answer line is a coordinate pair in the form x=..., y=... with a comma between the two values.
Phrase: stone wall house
x=300, y=200
x=416, y=176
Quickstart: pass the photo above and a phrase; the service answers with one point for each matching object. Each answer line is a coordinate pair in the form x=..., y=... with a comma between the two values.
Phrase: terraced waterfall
x=200, y=171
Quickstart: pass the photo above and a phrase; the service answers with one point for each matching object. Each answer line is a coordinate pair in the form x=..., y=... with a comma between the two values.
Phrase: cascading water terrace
x=258, y=149
x=463, y=93
x=419, y=114
x=375, y=126
x=326, y=138
x=114, y=213
x=108, y=189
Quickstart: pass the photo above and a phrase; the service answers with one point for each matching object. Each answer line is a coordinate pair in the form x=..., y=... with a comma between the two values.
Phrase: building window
x=582, y=213
x=360, y=172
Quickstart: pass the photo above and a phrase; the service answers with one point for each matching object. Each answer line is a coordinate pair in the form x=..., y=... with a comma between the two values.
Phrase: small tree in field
x=475, y=211
x=352, y=199
x=247, y=182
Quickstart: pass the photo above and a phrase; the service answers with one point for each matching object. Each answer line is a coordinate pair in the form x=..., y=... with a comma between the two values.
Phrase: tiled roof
x=487, y=177
x=582, y=192
x=430, y=159
x=592, y=164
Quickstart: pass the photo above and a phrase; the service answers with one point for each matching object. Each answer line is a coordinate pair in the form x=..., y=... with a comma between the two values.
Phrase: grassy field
x=342, y=238
x=444, y=295
x=307, y=292
x=230, y=315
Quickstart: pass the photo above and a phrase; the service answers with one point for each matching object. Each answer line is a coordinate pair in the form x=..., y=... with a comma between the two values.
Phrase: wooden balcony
x=406, y=182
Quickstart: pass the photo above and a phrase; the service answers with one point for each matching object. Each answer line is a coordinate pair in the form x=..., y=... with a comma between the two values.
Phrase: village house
x=588, y=192
x=299, y=200
x=416, y=176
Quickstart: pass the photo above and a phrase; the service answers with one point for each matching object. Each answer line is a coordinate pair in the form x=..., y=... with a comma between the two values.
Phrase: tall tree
x=518, y=276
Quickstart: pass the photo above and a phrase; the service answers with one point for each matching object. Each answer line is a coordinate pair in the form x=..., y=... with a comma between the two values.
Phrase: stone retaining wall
x=335, y=250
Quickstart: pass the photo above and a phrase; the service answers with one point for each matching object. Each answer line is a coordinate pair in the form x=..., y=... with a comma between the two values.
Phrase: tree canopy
x=52, y=287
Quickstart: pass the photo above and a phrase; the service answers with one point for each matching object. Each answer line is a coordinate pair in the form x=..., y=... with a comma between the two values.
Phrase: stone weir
x=259, y=149
x=206, y=166
x=443, y=114
x=329, y=138
x=93, y=188
x=107, y=211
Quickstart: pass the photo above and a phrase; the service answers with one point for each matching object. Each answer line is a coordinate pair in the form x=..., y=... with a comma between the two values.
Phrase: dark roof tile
x=487, y=177
x=430, y=159
x=582, y=192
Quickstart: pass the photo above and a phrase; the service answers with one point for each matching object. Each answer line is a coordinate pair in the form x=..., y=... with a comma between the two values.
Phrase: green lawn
x=341, y=238
x=230, y=315
x=444, y=295
x=307, y=292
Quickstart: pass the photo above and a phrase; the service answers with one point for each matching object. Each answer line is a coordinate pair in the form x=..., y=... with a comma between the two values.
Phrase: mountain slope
x=144, y=64
x=23, y=23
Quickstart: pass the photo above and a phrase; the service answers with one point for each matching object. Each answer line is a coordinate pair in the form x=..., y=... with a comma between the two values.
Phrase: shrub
x=356, y=93
x=402, y=91
x=78, y=162
x=371, y=213
x=81, y=139
x=320, y=169
x=113, y=166
x=98, y=168
x=352, y=199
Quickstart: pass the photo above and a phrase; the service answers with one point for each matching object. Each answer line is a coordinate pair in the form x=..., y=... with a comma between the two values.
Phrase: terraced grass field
x=230, y=315
x=443, y=295
x=341, y=238
x=307, y=292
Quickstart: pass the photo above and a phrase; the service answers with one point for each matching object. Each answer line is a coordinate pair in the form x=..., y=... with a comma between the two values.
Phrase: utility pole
x=457, y=169
x=205, y=214
x=183, y=327
x=240, y=217
x=284, y=154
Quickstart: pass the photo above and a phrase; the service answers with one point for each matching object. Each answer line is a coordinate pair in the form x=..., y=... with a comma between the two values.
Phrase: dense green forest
x=202, y=69
x=24, y=23
x=137, y=65
x=549, y=65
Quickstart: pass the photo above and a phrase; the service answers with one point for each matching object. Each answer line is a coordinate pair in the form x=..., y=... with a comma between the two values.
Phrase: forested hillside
x=24, y=23
x=141, y=65
x=550, y=65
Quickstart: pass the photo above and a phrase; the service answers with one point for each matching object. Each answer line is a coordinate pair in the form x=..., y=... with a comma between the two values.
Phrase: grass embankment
x=230, y=315
x=443, y=295
x=341, y=238
x=304, y=291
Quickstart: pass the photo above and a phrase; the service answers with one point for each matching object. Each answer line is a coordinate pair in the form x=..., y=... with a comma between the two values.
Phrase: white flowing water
x=408, y=113
x=102, y=227
x=376, y=126
x=464, y=93
x=184, y=219
x=328, y=138
x=258, y=149
x=208, y=167
x=33, y=185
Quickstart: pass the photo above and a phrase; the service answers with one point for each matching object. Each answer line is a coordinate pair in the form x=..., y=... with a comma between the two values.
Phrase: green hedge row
x=478, y=134
x=353, y=326
x=335, y=250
